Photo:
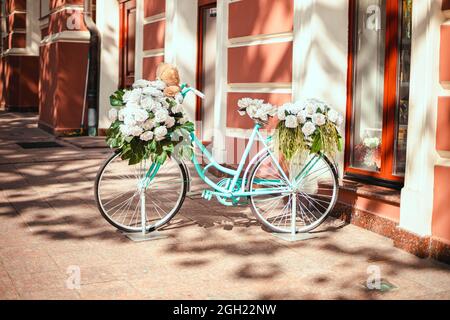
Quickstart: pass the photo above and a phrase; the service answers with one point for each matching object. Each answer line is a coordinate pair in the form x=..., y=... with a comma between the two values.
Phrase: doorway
x=206, y=68
x=127, y=42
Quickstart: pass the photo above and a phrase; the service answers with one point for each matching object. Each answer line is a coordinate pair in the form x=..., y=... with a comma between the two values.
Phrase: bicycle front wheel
x=315, y=193
x=122, y=197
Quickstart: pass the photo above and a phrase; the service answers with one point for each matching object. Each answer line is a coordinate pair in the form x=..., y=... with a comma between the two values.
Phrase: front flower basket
x=148, y=121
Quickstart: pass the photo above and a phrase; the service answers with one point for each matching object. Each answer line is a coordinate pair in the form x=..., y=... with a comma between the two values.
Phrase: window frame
x=390, y=98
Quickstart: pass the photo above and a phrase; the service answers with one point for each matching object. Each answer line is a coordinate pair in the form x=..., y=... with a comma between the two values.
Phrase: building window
x=377, y=110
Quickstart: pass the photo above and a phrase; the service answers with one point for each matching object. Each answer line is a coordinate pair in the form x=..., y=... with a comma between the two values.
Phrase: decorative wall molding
x=155, y=18
x=17, y=52
x=153, y=53
x=67, y=36
x=259, y=39
x=267, y=87
x=66, y=7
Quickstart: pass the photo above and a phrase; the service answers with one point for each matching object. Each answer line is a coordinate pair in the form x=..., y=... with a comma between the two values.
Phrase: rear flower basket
x=304, y=126
x=310, y=125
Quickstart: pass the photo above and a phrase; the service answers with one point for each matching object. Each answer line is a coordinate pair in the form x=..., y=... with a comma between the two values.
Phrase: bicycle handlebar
x=185, y=90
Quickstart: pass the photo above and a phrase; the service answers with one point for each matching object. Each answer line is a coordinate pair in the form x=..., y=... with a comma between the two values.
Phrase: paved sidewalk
x=50, y=227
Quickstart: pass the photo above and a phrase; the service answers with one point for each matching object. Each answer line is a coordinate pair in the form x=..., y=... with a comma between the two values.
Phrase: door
x=206, y=77
x=127, y=42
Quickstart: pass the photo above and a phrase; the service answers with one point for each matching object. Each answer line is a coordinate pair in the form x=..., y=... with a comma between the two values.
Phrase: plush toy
x=169, y=74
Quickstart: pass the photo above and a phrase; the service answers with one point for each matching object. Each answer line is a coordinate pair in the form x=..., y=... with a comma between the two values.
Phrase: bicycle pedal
x=207, y=195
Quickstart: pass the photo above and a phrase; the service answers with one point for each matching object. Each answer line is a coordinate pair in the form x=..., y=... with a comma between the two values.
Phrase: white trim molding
x=221, y=90
x=67, y=36
x=181, y=43
x=139, y=49
x=155, y=18
x=262, y=87
x=33, y=28
x=259, y=39
x=153, y=53
x=108, y=21
x=320, y=54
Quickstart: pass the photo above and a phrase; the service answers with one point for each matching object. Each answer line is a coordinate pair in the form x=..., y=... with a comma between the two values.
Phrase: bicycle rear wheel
x=121, y=197
x=315, y=193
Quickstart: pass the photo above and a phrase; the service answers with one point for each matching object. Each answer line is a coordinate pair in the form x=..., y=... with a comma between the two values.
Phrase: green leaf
x=317, y=144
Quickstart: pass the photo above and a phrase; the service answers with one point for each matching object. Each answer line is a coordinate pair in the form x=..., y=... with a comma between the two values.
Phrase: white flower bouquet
x=310, y=125
x=148, y=122
x=256, y=109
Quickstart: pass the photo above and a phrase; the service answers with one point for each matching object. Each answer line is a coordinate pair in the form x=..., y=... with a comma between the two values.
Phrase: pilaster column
x=417, y=195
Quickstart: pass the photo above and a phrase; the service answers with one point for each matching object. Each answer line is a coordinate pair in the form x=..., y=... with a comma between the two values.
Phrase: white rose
x=310, y=108
x=140, y=115
x=136, y=131
x=333, y=115
x=150, y=104
x=269, y=109
x=160, y=133
x=149, y=124
x=133, y=96
x=161, y=115
x=293, y=108
x=261, y=114
x=164, y=103
x=112, y=114
x=281, y=113
x=179, y=98
x=318, y=119
x=151, y=91
x=129, y=121
x=177, y=108
x=291, y=121
x=170, y=122
x=158, y=84
x=141, y=83
x=244, y=103
x=146, y=136
x=308, y=128
x=251, y=110
x=301, y=116
x=125, y=130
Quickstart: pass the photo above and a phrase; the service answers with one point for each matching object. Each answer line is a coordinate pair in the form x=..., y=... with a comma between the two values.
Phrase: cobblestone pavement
x=50, y=227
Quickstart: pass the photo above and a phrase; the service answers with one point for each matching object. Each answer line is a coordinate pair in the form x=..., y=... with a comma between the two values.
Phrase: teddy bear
x=170, y=76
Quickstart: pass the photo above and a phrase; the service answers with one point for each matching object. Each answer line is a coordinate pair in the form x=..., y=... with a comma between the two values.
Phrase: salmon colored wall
x=21, y=75
x=62, y=85
x=154, y=7
x=234, y=120
x=254, y=64
x=443, y=124
x=149, y=66
x=441, y=209
x=154, y=35
x=253, y=17
x=262, y=63
x=20, y=72
x=444, y=68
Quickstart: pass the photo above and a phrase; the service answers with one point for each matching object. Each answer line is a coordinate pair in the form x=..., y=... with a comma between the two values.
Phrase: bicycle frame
x=230, y=190
x=235, y=185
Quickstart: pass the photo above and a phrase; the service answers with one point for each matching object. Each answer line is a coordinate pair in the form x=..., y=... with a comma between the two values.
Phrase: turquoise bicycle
x=285, y=197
